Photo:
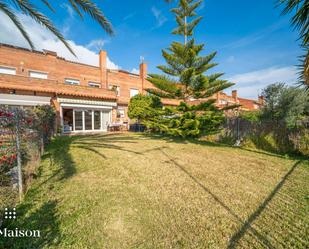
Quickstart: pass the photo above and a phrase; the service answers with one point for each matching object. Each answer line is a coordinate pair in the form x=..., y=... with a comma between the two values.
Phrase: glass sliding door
x=88, y=120
x=97, y=120
x=78, y=117
x=85, y=119
x=105, y=120
x=68, y=120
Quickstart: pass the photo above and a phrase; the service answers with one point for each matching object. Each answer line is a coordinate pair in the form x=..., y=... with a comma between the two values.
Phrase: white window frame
x=71, y=81
x=84, y=108
x=7, y=70
x=94, y=84
x=111, y=86
x=38, y=74
x=122, y=112
x=223, y=102
x=133, y=89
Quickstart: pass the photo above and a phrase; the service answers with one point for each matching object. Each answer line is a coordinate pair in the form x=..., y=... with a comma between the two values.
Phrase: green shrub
x=252, y=116
x=142, y=107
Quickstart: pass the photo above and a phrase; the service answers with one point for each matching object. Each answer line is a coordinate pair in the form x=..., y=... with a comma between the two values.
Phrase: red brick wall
x=58, y=69
x=126, y=82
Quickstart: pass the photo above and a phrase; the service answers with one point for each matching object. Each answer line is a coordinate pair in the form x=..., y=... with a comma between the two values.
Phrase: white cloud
x=43, y=39
x=161, y=19
x=251, y=84
x=69, y=9
x=256, y=36
x=135, y=71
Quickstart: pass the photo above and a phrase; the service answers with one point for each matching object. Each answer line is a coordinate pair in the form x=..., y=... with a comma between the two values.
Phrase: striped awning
x=86, y=102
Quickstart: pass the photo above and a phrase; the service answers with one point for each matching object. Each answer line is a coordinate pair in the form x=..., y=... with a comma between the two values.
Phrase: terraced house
x=87, y=98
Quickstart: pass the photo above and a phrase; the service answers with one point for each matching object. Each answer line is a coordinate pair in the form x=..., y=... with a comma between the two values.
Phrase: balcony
x=17, y=82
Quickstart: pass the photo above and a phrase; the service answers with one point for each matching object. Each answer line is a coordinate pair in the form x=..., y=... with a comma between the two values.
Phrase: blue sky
x=256, y=45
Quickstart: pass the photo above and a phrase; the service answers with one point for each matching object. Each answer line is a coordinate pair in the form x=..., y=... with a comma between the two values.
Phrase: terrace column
x=103, y=69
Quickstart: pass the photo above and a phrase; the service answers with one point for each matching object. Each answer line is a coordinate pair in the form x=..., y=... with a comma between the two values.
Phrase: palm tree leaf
x=76, y=9
x=30, y=10
x=92, y=9
x=6, y=10
x=48, y=5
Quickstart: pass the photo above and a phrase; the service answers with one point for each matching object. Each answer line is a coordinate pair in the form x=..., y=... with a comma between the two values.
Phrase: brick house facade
x=86, y=98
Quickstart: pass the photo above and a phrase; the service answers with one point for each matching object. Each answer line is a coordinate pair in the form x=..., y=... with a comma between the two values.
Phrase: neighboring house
x=224, y=100
x=86, y=98
x=245, y=104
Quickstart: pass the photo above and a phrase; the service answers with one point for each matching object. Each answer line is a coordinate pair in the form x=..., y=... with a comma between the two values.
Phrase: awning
x=23, y=100
x=85, y=103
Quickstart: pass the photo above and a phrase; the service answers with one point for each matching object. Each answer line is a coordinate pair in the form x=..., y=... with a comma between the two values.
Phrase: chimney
x=143, y=73
x=261, y=100
x=103, y=69
x=234, y=95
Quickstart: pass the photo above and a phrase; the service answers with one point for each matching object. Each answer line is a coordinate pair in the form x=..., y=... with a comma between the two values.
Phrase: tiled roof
x=248, y=103
x=51, y=86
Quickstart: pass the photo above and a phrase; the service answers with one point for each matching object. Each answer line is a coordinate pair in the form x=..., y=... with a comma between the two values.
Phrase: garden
x=149, y=191
x=198, y=176
x=23, y=135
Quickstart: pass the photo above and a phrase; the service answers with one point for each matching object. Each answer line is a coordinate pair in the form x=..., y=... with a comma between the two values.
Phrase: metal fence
x=286, y=138
x=19, y=148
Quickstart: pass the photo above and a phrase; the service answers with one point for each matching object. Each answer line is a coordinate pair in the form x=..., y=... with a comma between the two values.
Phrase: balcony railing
x=17, y=82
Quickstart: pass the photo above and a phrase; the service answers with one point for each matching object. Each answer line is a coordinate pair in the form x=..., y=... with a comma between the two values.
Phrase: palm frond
x=93, y=10
x=30, y=10
x=300, y=18
x=6, y=10
x=46, y=2
x=75, y=7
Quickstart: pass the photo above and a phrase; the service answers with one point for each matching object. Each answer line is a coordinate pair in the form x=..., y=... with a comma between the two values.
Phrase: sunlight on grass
x=134, y=191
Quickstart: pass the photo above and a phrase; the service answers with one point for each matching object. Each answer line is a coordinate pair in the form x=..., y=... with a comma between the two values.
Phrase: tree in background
x=184, y=80
x=300, y=21
x=28, y=8
x=283, y=103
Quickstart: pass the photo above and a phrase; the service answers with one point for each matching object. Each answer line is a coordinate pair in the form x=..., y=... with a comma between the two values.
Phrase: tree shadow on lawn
x=237, y=236
x=61, y=163
x=180, y=140
x=62, y=167
x=106, y=141
x=283, y=156
x=246, y=226
x=44, y=219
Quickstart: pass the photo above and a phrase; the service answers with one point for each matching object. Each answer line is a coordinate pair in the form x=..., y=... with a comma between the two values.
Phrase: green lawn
x=134, y=191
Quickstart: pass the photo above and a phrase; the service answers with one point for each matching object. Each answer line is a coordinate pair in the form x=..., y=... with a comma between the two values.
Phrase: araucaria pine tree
x=184, y=79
